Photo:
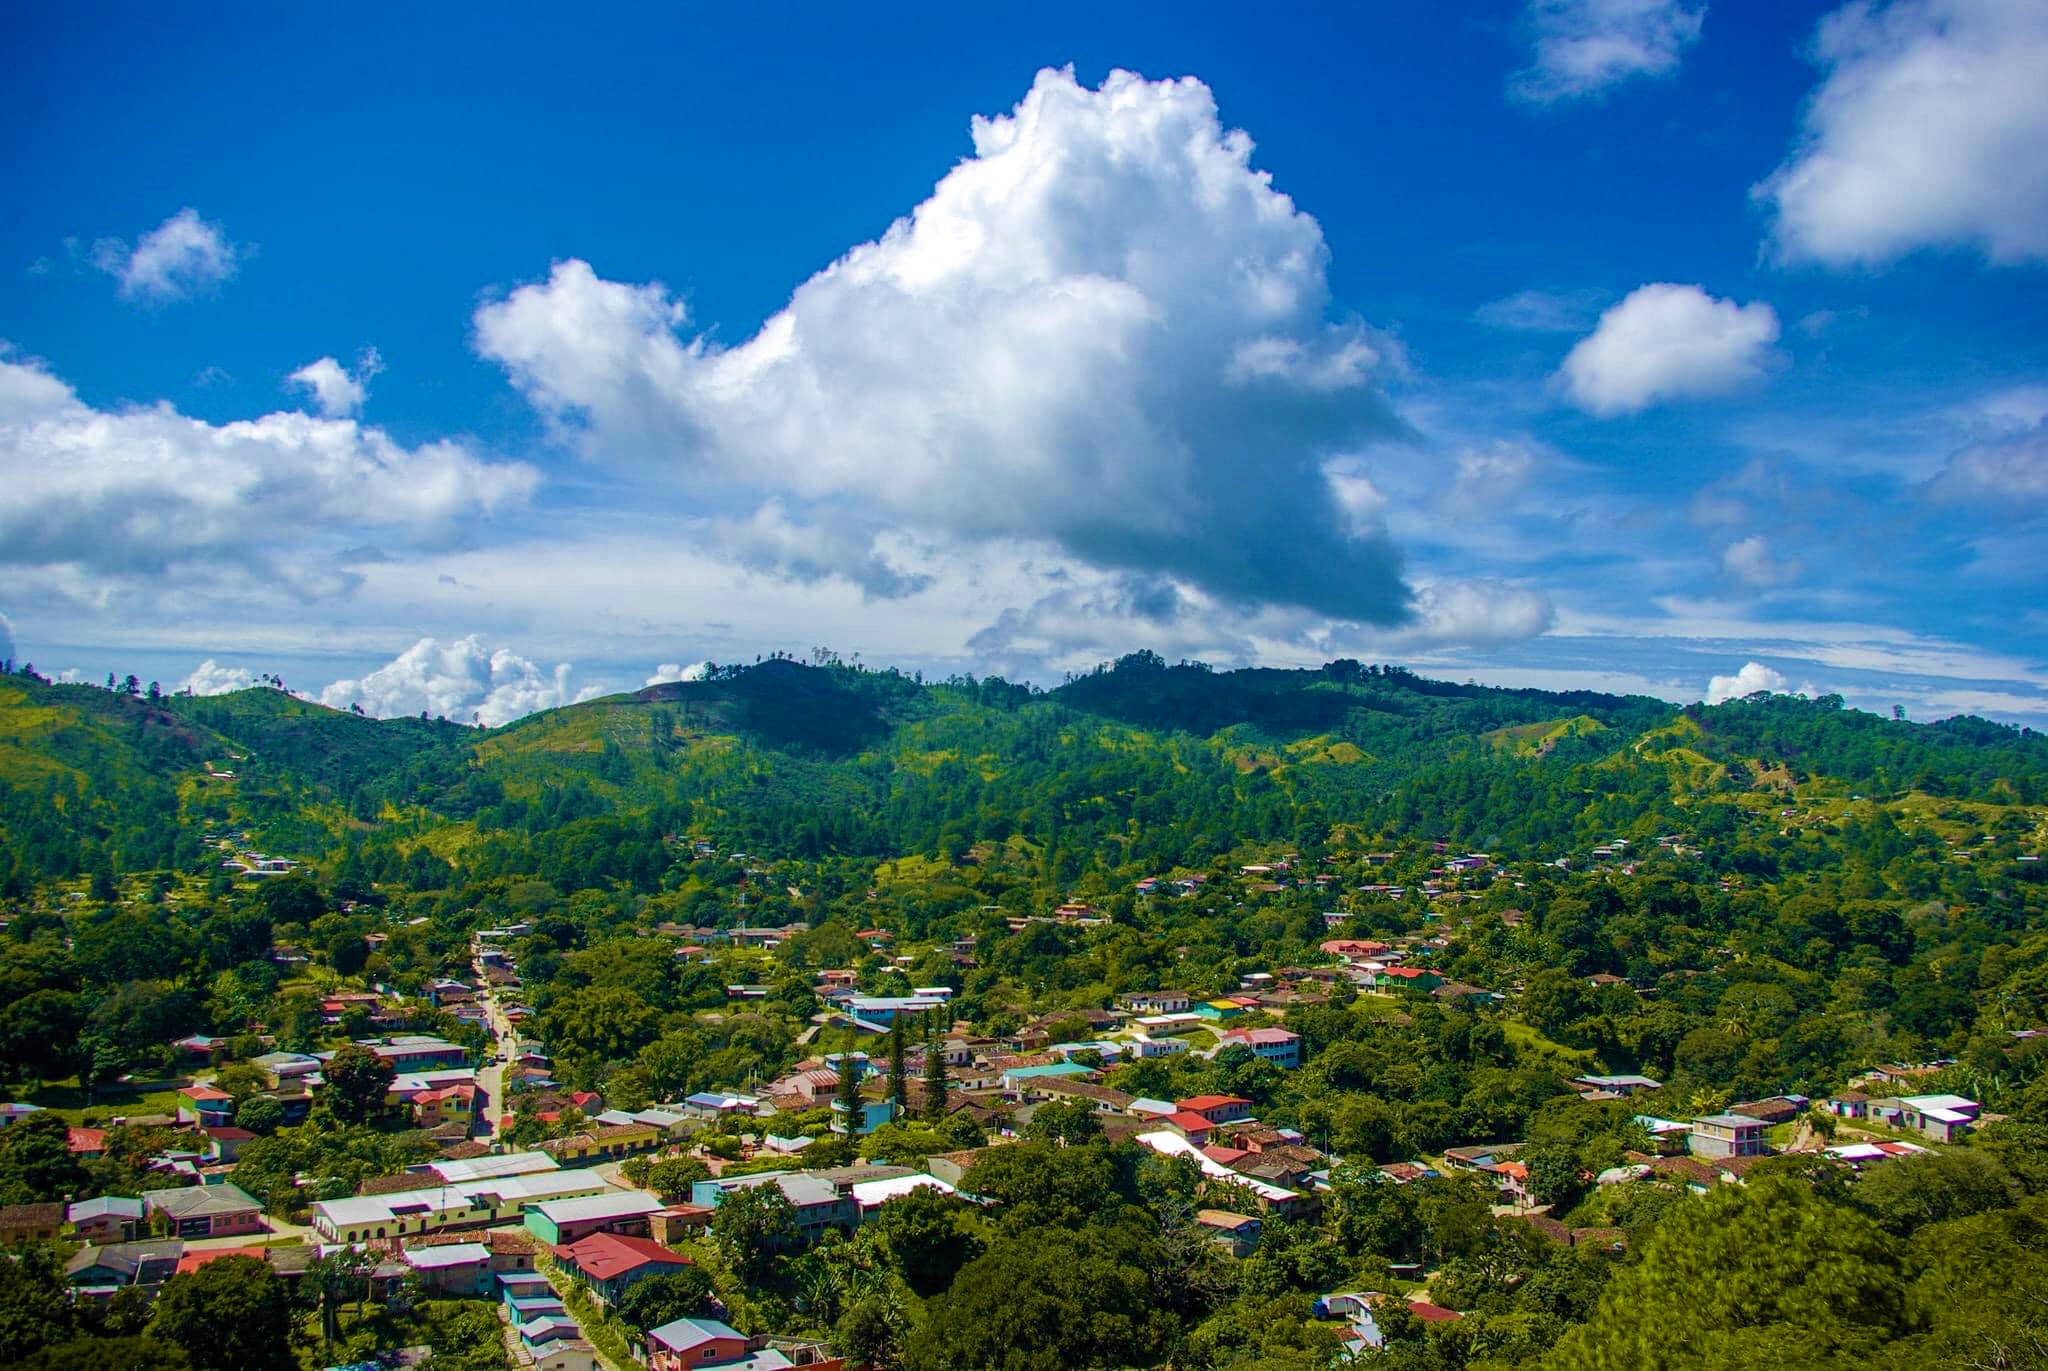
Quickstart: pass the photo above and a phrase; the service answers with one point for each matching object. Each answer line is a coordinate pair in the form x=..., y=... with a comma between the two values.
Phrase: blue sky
x=462, y=362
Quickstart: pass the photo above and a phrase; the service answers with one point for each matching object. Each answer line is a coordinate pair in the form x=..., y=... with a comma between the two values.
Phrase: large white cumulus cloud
x=1927, y=132
x=1666, y=342
x=458, y=679
x=1753, y=676
x=1105, y=329
x=135, y=492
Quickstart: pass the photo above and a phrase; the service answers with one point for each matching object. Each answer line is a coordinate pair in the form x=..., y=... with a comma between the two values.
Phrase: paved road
x=491, y=1079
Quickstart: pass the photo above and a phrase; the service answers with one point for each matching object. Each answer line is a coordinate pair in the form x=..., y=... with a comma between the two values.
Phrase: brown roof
x=1547, y=1226
x=392, y=1185
x=1085, y=1090
x=31, y=1215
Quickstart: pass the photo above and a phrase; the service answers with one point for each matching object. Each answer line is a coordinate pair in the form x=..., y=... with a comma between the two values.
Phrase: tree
x=291, y=899
x=35, y=1302
x=231, y=1314
x=852, y=1113
x=99, y=1354
x=752, y=1224
x=1765, y=1272
x=935, y=1080
x=924, y=1238
x=1045, y=1301
x=357, y=1082
x=36, y=1161
x=672, y=1177
x=1064, y=1121
x=870, y=1333
x=1555, y=1175
x=898, y=1086
x=653, y=1301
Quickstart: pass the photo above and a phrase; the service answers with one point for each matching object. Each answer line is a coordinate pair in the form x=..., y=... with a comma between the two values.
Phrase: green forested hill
x=1139, y=764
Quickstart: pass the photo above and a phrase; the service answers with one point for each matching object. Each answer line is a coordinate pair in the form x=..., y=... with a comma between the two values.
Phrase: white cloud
x=1488, y=477
x=1585, y=46
x=1926, y=132
x=2006, y=476
x=1668, y=342
x=337, y=391
x=1753, y=677
x=1542, y=311
x=179, y=258
x=1750, y=562
x=133, y=492
x=1105, y=329
x=669, y=672
x=460, y=679
x=210, y=678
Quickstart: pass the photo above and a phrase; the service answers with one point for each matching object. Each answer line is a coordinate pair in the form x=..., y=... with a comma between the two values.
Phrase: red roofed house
x=610, y=1263
x=1353, y=949
x=449, y=1104
x=1189, y=1125
x=86, y=1142
x=211, y=1106
x=192, y=1261
x=1217, y=1108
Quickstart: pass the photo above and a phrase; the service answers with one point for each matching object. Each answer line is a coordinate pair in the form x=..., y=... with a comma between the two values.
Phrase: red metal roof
x=604, y=1255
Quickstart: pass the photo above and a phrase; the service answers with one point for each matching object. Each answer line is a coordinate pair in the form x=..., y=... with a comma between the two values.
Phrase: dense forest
x=1761, y=899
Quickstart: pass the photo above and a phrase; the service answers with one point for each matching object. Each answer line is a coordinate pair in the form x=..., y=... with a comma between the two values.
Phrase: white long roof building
x=477, y=1202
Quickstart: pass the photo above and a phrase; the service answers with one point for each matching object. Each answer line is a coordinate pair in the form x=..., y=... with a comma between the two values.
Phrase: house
x=1943, y=1118
x=489, y=1167
x=147, y=1263
x=206, y=1211
x=677, y=1222
x=453, y=1268
x=610, y=1263
x=1775, y=1110
x=279, y=1067
x=420, y=1052
x=224, y=1145
x=819, y=1203
x=1238, y=1232
x=208, y=1105
x=562, y=1222
x=606, y=1142
x=1274, y=1199
x=1217, y=1108
x=1156, y=1001
x=687, y=1344
x=1850, y=1104
x=1190, y=1125
x=874, y=1013
x=1417, y=978
x=1620, y=1087
x=1018, y=1079
x=555, y=1340
x=449, y=1104
x=872, y=1114
x=1275, y=1045
x=20, y=1223
x=1726, y=1135
x=110, y=1218
x=86, y=1144
x=1353, y=949
x=1483, y=1158
x=470, y=1204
